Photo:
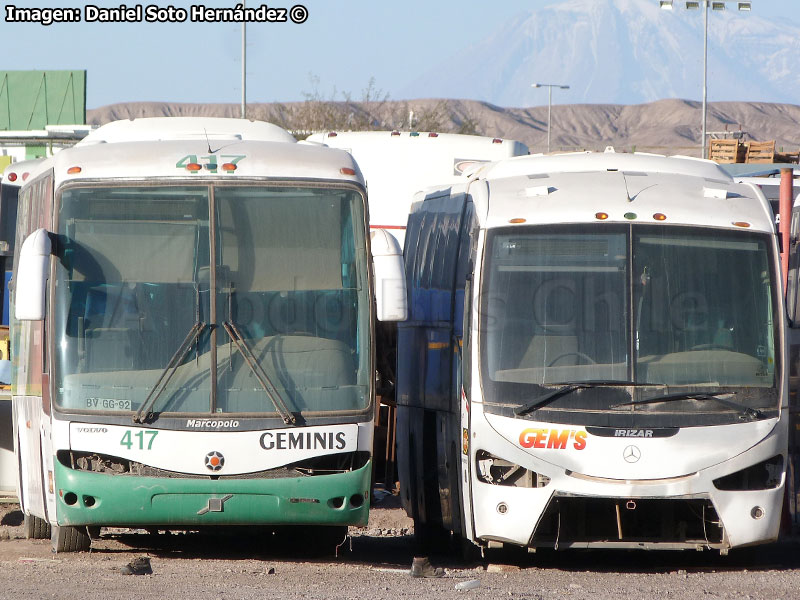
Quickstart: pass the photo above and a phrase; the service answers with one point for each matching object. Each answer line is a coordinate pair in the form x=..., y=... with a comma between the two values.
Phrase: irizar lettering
x=629, y=433
x=303, y=440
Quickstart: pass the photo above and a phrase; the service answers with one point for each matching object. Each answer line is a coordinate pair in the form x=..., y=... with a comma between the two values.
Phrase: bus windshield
x=140, y=305
x=632, y=312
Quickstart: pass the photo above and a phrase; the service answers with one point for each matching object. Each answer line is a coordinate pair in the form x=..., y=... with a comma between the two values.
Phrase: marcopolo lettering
x=303, y=440
x=211, y=424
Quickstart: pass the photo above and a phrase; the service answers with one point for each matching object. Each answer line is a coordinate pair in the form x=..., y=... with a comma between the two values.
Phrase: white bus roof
x=170, y=159
x=424, y=142
x=626, y=188
x=213, y=129
x=605, y=161
x=16, y=174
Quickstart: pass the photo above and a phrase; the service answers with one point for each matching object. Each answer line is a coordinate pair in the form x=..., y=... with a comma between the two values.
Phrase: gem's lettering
x=303, y=440
x=553, y=439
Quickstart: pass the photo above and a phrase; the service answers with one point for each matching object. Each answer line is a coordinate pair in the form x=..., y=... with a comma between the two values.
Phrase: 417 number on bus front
x=143, y=440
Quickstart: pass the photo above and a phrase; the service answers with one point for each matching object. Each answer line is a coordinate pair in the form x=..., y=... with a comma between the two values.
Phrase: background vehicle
x=612, y=330
x=193, y=338
x=398, y=164
x=10, y=181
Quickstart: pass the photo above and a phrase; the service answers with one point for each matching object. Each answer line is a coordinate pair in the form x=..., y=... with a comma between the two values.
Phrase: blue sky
x=340, y=47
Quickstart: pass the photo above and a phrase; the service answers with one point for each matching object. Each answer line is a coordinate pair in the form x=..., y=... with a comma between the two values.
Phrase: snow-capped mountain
x=625, y=52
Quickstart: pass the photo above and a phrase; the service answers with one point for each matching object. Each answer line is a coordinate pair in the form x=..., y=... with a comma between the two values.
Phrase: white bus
x=10, y=181
x=594, y=357
x=397, y=164
x=193, y=335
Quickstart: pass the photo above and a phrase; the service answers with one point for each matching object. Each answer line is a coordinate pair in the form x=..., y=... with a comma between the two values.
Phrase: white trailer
x=397, y=164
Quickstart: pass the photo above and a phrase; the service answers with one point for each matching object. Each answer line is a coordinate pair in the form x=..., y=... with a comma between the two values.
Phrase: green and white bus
x=192, y=341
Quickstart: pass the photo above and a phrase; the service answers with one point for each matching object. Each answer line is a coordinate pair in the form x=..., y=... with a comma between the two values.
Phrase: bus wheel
x=69, y=539
x=36, y=528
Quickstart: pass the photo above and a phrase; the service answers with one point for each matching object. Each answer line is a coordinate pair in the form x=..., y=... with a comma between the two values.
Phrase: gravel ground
x=374, y=563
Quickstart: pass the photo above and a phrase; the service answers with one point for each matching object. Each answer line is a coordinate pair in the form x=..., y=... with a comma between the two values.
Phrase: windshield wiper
x=169, y=371
x=568, y=388
x=748, y=411
x=260, y=374
x=547, y=398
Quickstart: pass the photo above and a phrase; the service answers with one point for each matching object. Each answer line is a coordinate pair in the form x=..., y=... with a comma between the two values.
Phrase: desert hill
x=666, y=126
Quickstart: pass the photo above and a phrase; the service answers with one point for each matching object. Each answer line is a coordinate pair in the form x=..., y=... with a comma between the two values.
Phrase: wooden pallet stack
x=736, y=151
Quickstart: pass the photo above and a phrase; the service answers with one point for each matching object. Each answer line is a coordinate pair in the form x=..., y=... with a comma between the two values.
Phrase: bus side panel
x=430, y=457
x=410, y=395
x=32, y=471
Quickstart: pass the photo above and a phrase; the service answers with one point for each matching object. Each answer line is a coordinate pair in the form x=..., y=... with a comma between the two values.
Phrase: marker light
x=660, y=217
x=332, y=134
x=194, y=167
x=433, y=134
x=414, y=134
x=12, y=176
x=497, y=141
x=395, y=133
x=741, y=224
x=517, y=220
x=629, y=216
x=347, y=171
x=73, y=170
x=601, y=216
x=228, y=167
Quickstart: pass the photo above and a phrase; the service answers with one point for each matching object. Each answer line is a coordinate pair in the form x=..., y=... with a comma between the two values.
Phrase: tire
x=69, y=539
x=36, y=528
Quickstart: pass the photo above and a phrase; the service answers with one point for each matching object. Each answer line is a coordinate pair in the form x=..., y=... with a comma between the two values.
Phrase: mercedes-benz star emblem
x=631, y=454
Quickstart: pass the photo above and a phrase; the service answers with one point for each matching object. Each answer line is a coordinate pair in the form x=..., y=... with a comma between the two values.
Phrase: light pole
x=244, y=67
x=549, y=87
x=715, y=5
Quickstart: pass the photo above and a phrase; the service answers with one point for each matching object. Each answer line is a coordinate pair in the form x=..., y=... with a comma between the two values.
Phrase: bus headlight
x=765, y=475
x=498, y=471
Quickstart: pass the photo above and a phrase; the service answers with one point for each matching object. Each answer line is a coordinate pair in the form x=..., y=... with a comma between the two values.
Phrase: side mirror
x=391, y=300
x=31, y=276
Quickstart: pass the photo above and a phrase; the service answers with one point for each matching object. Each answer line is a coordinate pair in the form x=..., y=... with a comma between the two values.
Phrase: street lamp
x=549, y=87
x=715, y=5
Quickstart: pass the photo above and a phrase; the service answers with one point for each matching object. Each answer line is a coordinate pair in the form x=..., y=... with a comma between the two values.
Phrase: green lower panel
x=85, y=498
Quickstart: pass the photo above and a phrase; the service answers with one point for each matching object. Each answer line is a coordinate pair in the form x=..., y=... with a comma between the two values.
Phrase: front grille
x=114, y=465
x=582, y=520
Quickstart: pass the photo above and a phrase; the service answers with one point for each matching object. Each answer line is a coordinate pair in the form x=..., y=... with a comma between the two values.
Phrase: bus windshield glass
x=630, y=313
x=144, y=314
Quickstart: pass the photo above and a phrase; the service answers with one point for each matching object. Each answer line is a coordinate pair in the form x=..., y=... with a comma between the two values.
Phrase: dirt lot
x=374, y=563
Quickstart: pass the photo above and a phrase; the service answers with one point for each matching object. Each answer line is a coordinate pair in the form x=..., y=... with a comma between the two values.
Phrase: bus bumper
x=85, y=498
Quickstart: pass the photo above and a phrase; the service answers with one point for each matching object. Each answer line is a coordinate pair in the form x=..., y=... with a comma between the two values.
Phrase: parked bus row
x=591, y=349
